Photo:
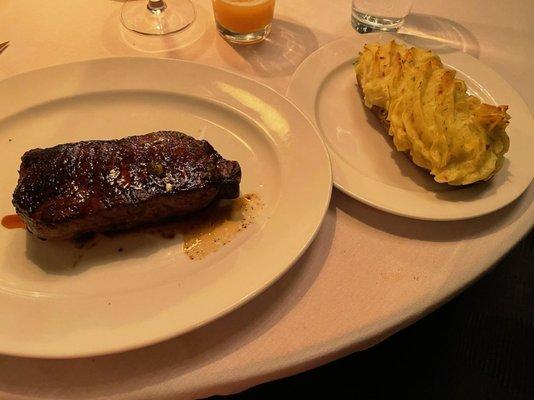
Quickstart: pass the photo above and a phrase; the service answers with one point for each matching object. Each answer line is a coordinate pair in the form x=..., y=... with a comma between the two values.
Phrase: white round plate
x=368, y=168
x=113, y=301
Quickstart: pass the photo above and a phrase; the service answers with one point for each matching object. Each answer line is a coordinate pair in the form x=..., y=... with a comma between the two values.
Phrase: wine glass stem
x=156, y=6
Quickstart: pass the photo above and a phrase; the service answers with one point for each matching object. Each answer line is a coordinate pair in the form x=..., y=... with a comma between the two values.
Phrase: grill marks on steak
x=93, y=186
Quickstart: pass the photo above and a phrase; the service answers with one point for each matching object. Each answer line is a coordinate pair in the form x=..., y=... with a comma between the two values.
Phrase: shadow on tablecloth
x=438, y=34
x=434, y=231
x=288, y=45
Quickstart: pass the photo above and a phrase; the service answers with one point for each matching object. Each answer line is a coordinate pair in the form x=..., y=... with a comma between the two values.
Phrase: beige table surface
x=347, y=292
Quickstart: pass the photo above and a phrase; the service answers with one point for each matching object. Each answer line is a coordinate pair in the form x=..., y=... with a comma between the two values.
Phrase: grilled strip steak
x=72, y=189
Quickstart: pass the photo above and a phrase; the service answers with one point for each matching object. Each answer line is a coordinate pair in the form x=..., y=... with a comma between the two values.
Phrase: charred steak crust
x=71, y=189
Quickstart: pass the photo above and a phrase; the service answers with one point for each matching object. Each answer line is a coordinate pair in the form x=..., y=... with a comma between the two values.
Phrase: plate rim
x=235, y=305
x=336, y=159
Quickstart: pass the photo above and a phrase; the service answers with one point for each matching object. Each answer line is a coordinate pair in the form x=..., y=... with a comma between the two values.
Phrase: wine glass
x=157, y=17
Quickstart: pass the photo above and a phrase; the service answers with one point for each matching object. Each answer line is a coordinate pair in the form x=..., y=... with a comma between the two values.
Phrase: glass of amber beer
x=243, y=21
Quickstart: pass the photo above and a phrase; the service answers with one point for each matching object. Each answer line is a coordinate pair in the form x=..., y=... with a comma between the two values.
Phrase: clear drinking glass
x=379, y=15
x=157, y=17
x=243, y=21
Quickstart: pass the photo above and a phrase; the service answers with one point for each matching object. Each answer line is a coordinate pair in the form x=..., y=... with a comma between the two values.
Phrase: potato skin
x=430, y=115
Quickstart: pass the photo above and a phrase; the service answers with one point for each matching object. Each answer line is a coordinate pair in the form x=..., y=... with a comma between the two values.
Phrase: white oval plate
x=113, y=301
x=368, y=168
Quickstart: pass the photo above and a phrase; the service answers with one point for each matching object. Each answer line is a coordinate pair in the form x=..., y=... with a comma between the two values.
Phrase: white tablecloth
x=313, y=314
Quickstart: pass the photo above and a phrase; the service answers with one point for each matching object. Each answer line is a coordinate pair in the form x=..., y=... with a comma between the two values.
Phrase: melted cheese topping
x=431, y=117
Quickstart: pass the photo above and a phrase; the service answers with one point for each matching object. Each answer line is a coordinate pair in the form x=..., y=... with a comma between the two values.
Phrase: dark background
x=478, y=346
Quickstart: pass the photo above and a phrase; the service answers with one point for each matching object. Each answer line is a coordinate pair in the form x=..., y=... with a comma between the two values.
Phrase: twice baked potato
x=430, y=115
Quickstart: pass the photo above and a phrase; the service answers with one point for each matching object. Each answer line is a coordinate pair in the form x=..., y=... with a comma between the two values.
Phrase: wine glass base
x=176, y=16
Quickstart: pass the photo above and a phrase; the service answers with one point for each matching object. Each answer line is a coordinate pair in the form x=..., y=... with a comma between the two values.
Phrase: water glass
x=379, y=15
